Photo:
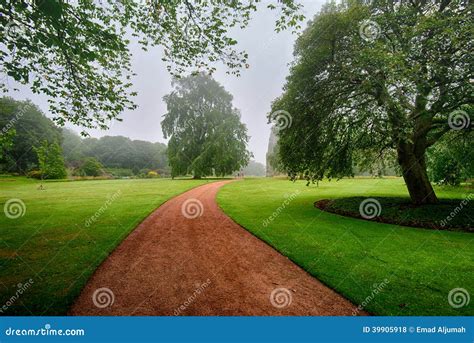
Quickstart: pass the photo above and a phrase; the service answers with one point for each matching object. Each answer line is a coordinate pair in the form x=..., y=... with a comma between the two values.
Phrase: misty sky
x=269, y=55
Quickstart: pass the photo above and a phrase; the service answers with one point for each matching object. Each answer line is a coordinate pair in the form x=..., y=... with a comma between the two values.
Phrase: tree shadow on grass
x=452, y=214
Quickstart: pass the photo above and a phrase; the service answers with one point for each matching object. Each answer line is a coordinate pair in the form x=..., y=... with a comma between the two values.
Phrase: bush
x=120, y=172
x=166, y=172
x=91, y=167
x=35, y=174
x=445, y=170
x=450, y=161
x=152, y=174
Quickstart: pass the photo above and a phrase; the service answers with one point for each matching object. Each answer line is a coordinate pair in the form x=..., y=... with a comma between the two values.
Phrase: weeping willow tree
x=205, y=131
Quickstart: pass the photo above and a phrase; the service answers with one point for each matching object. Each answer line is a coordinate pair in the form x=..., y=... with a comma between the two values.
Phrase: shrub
x=152, y=174
x=120, y=172
x=35, y=174
x=91, y=167
x=450, y=161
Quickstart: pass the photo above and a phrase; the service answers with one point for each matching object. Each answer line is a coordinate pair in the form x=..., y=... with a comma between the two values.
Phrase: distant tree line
x=23, y=128
x=254, y=168
x=119, y=155
x=31, y=144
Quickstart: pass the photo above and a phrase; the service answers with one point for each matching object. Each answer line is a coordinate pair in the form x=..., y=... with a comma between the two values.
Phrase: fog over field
x=269, y=56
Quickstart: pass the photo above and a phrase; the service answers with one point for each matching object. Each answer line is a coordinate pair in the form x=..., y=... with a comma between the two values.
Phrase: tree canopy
x=205, y=131
x=50, y=161
x=91, y=167
x=376, y=78
x=254, y=168
x=451, y=160
x=77, y=53
x=114, y=152
x=28, y=127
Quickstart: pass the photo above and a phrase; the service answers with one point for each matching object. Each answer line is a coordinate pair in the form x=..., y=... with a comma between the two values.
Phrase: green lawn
x=401, y=211
x=56, y=246
x=355, y=256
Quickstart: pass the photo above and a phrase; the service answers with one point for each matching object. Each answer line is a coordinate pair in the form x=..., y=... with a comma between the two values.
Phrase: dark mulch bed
x=453, y=214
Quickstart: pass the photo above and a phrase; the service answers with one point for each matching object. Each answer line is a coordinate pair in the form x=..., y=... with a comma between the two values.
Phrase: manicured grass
x=352, y=255
x=448, y=214
x=57, y=244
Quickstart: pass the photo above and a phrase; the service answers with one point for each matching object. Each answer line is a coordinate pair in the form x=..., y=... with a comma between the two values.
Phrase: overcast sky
x=269, y=55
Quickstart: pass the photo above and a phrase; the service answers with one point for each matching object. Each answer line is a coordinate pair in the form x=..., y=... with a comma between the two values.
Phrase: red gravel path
x=209, y=265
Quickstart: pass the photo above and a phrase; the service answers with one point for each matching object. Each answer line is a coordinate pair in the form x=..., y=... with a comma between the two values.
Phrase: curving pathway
x=174, y=264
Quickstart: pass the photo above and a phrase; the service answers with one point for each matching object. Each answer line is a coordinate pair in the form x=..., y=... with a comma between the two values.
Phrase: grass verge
x=65, y=232
x=355, y=256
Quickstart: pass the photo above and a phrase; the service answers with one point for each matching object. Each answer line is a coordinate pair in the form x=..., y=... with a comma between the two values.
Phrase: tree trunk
x=416, y=178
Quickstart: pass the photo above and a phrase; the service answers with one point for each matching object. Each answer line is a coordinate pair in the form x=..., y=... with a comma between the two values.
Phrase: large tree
x=371, y=79
x=51, y=161
x=6, y=142
x=254, y=168
x=205, y=131
x=31, y=127
x=77, y=52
